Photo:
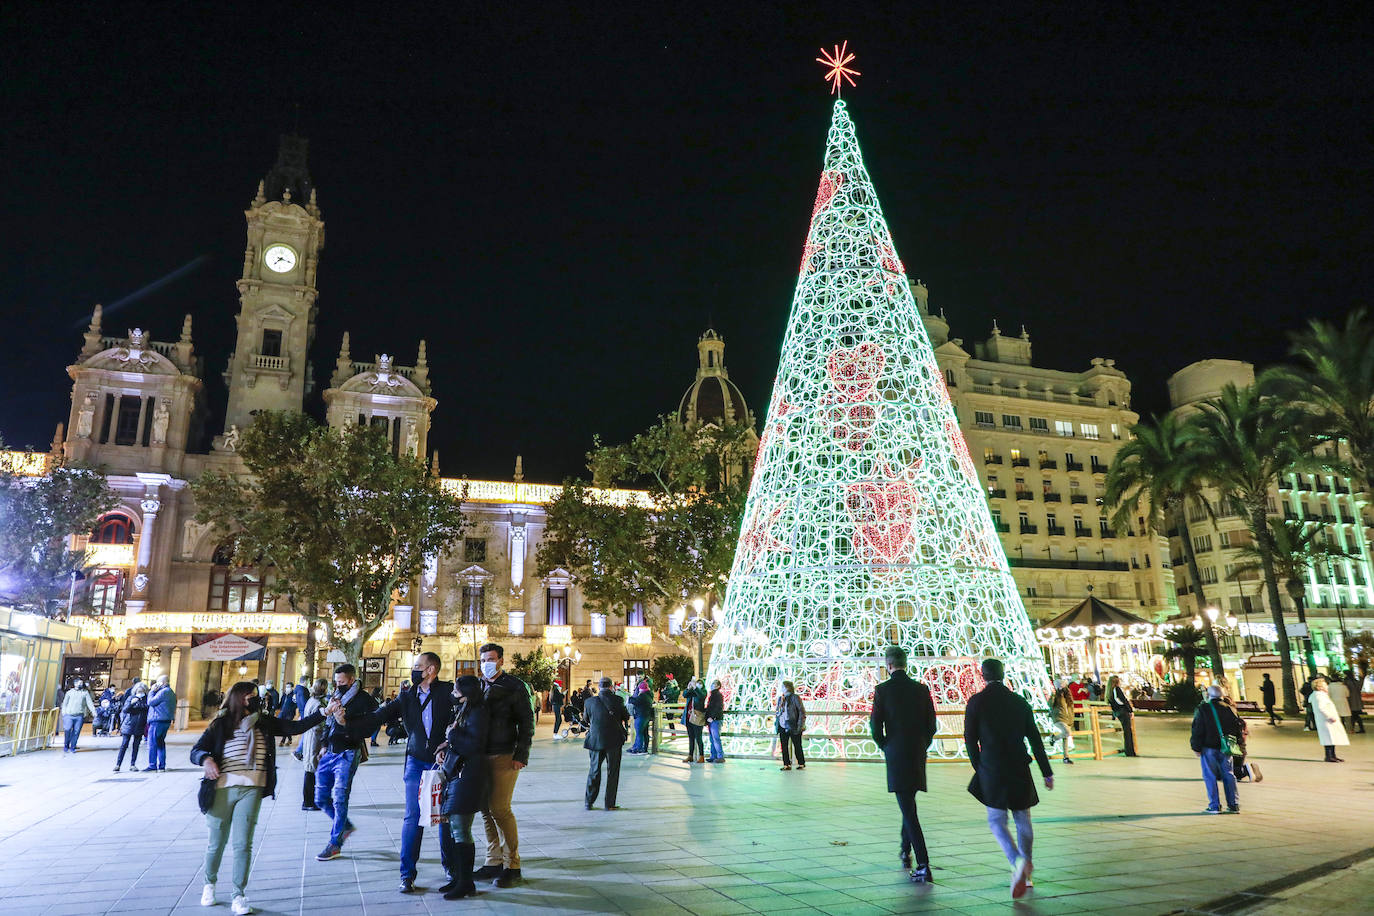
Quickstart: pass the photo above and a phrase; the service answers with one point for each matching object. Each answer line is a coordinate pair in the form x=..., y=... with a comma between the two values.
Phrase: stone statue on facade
x=230, y=442
x=162, y=415
x=85, y=418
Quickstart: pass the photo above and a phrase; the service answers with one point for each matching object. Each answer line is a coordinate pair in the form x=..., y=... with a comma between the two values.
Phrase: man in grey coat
x=607, y=729
x=903, y=724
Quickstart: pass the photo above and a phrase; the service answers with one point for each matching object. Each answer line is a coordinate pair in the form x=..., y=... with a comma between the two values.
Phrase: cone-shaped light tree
x=865, y=524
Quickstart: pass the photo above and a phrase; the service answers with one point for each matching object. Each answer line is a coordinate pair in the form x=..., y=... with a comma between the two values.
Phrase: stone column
x=179, y=675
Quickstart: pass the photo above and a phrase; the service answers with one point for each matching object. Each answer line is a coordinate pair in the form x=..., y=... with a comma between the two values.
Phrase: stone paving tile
x=736, y=838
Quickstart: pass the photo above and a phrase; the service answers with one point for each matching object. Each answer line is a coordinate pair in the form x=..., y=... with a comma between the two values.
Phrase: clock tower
x=270, y=367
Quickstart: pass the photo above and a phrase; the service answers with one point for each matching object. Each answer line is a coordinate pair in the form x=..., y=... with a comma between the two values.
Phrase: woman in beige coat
x=1330, y=732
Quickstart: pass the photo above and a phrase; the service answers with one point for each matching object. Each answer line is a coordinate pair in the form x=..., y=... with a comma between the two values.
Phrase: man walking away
x=75, y=705
x=509, y=732
x=288, y=709
x=162, y=706
x=1212, y=723
x=427, y=710
x=642, y=704
x=607, y=729
x=997, y=726
x=1356, y=701
x=903, y=725
x=343, y=749
x=1268, y=694
x=556, y=701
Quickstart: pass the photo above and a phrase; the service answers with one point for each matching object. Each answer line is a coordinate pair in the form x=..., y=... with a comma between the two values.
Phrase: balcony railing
x=1052, y=497
x=1078, y=498
x=1047, y=464
x=998, y=493
x=992, y=459
x=1020, y=462
x=1073, y=465
x=1099, y=468
x=1056, y=530
x=1028, y=528
x=1106, y=533
x=1036, y=563
x=270, y=363
x=1081, y=532
x=1002, y=527
x=1025, y=494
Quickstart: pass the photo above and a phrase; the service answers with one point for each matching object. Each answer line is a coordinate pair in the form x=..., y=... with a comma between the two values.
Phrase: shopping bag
x=431, y=798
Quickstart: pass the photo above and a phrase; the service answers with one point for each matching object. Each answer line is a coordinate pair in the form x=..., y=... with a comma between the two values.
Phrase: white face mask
x=489, y=669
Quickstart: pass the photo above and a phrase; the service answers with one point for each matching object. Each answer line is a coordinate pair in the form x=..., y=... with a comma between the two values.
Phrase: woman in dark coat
x=694, y=707
x=467, y=777
x=132, y=724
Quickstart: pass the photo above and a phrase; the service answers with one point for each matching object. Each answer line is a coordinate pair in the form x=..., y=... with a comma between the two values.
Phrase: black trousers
x=557, y=717
x=611, y=758
x=1357, y=721
x=912, y=838
x=308, y=789
x=137, y=738
x=1127, y=721
x=1269, y=711
x=795, y=740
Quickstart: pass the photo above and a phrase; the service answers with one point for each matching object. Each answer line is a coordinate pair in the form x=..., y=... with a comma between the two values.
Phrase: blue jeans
x=71, y=731
x=1217, y=765
x=713, y=729
x=412, y=834
x=333, y=782
x=641, y=735
x=157, y=745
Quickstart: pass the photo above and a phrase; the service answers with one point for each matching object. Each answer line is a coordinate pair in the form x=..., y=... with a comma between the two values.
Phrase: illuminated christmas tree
x=866, y=524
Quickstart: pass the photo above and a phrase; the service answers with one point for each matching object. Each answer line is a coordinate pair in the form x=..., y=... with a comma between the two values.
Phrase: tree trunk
x=1259, y=529
x=1213, y=648
x=311, y=649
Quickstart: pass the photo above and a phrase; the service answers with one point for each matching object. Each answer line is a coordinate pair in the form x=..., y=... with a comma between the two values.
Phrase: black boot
x=462, y=877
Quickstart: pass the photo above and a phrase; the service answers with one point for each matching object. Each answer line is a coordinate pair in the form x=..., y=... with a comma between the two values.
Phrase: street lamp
x=699, y=626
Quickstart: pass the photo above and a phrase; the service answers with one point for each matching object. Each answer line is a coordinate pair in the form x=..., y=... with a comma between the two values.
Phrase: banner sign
x=227, y=647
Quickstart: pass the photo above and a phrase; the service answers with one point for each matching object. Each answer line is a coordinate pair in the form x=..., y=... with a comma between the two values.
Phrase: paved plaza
x=1117, y=836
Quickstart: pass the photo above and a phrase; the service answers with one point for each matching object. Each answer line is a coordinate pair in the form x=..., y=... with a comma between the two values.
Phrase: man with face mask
x=427, y=711
x=343, y=744
x=162, y=706
x=509, y=734
x=75, y=705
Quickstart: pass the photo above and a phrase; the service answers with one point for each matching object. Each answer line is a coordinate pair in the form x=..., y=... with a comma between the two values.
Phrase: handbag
x=696, y=717
x=205, y=796
x=1230, y=746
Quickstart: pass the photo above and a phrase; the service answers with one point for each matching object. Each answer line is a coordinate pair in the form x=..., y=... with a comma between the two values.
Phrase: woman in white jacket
x=1340, y=695
x=1330, y=732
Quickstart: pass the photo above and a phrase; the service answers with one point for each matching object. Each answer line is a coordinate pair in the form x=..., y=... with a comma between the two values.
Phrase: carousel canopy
x=1096, y=618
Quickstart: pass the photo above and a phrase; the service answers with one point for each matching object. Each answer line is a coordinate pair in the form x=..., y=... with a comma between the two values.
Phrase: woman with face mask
x=239, y=752
x=308, y=753
x=133, y=722
x=467, y=778
x=694, y=717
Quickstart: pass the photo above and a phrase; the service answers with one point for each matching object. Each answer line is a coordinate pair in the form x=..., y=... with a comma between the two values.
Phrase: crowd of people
x=473, y=737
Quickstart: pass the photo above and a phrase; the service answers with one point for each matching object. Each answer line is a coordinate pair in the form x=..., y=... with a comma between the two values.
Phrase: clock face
x=280, y=258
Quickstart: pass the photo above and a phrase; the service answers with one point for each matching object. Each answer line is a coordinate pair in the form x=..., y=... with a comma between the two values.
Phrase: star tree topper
x=837, y=64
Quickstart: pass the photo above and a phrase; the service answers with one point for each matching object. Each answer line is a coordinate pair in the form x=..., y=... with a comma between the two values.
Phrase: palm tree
x=1244, y=440
x=1185, y=648
x=1334, y=382
x=1298, y=547
x=1155, y=476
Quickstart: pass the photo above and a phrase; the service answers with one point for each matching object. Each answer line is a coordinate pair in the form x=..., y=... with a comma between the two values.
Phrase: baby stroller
x=104, y=712
x=573, y=724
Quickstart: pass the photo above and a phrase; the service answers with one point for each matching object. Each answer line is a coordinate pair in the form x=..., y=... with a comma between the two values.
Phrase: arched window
x=115, y=528
x=245, y=589
x=107, y=591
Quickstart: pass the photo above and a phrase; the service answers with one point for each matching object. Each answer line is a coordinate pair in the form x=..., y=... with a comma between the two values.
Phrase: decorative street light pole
x=699, y=626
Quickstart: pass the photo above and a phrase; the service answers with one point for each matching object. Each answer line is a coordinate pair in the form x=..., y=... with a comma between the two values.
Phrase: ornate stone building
x=163, y=582
x=1043, y=440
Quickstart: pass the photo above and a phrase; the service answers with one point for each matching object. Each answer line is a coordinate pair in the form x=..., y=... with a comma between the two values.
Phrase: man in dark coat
x=287, y=712
x=903, y=725
x=427, y=711
x=997, y=725
x=556, y=701
x=1268, y=694
x=1212, y=722
x=608, y=724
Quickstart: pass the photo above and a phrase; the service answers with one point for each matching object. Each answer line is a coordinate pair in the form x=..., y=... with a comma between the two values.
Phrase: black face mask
x=252, y=704
x=416, y=676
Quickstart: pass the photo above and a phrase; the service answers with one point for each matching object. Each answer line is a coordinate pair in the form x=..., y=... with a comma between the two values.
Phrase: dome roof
x=713, y=397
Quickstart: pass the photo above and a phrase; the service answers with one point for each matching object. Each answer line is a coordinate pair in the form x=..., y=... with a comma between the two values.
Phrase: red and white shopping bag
x=431, y=798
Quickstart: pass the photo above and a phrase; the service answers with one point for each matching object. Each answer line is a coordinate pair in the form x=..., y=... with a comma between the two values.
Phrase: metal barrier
x=948, y=746
x=27, y=730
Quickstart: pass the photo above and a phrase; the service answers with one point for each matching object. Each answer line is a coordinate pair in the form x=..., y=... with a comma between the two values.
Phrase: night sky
x=562, y=198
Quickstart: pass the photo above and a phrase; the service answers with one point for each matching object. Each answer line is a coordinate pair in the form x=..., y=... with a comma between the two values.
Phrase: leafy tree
x=37, y=515
x=346, y=523
x=681, y=667
x=1187, y=649
x=1244, y=440
x=1360, y=647
x=535, y=668
x=1333, y=382
x=1156, y=476
x=1298, y=548
x=679, y=542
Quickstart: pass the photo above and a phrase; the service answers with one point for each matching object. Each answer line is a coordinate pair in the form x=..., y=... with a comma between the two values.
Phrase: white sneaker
x=207, y=896
x=240, y=906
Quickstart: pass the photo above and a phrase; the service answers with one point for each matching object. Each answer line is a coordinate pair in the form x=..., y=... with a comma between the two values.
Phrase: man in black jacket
x=1268, y=693
x=556, y=701
x=903, y=725
x=510, y=730
x=997, y=726
x=1211, y=722
x=427, y=711
x=341, y=753
x=607, y=729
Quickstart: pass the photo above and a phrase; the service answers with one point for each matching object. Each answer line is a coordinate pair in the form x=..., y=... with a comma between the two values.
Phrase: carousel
x=1097, y=637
